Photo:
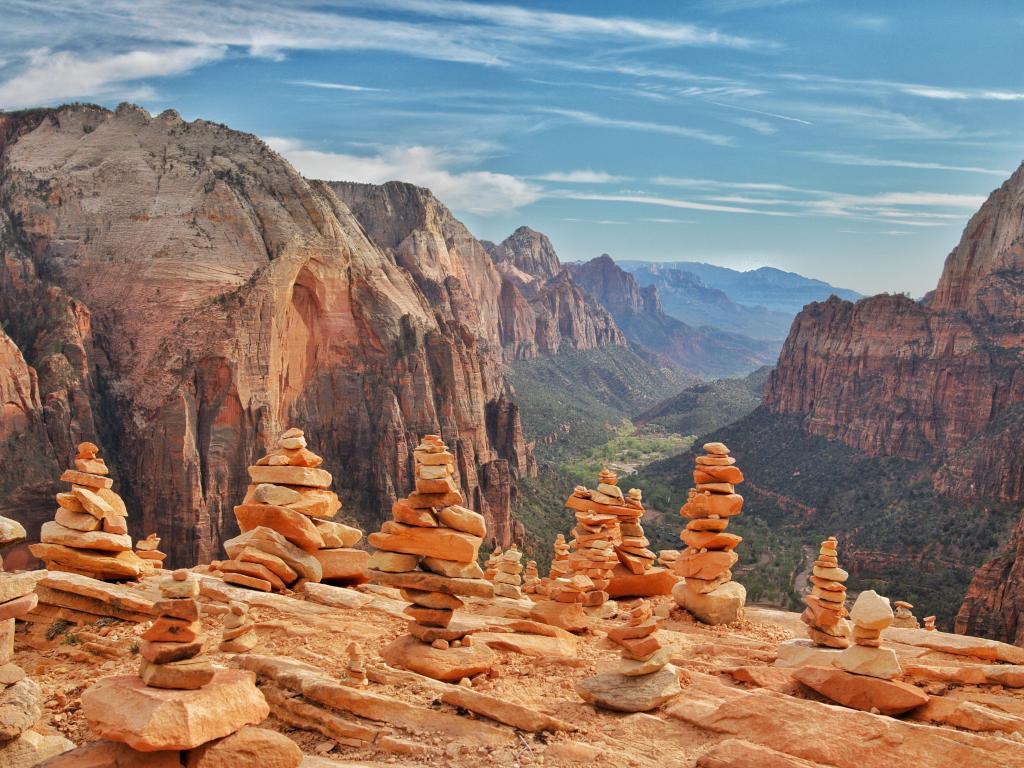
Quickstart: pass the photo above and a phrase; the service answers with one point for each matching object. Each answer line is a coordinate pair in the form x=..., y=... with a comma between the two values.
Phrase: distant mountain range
x=760, y=303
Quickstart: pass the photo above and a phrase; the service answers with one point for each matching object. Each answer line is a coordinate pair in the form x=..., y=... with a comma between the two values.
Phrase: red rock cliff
x=941, y=380
x=184, y=295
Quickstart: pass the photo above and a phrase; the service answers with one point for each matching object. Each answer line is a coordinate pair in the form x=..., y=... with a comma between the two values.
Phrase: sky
x=845, y=141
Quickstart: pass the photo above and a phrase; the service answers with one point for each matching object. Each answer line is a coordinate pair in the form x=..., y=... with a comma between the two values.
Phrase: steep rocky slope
x=940, y=381
x=703, y=351
x=183, y=294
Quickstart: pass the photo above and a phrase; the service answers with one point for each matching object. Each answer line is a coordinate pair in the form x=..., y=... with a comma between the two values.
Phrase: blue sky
x=846, y=141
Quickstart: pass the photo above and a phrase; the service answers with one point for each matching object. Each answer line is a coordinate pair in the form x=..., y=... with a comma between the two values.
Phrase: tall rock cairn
x=170, y=647
x=560, y=567
x=491, y=566
x=826, y=605
x=89, y=533
x=508, y=576
x=20, y=696
x=706, y=564
x=631, y=543
x=429, y=551
x=289, y=535
x=593, y=543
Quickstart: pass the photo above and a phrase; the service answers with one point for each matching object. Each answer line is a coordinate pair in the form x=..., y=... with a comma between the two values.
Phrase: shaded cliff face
x=940, y=381
x=488, y=289
x=184, y=295
x=701, y=351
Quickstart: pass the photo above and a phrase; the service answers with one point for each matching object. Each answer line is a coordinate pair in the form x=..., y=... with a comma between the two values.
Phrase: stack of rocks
x=170, y=646
x=593, y=546
x=563, y=603
x=239, y=634
x=560, y=568
x=289, y=535
x=355, y=669
x=644, y=680
x=149, y=549
x=507, y=578
x=531, y=578
x=89, y=534
x=706, y=564
x=826, y=605
x=491, y=565
x=929, y=623
x=181, y=710
x=429, y=551
x=21, y=746
x=904, y=616
x=862, y=676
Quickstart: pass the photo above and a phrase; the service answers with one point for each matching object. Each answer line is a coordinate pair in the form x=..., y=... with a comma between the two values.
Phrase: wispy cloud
x=867, y=86
x=757, y=125
x=839, y=158
x=589, y=118
x=335, y=86
x=580, y=177
x=481, y=192
x=665, y=202
x=48, y=77
x=869, y=23
x=763, y=113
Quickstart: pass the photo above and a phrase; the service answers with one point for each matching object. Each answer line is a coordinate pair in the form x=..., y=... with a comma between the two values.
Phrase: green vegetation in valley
x=703, y=408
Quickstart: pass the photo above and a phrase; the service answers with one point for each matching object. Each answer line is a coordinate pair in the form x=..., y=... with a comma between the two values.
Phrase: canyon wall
x=941, y=380
x=182, y=295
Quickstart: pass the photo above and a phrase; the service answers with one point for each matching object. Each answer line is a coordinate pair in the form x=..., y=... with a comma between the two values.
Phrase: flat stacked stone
x=593, y=543
x=170, y=647
x=429, y=551
x=508, y=578
x=644, y=680
x=355, y=667
x=89, y=533
x=562, y=603
x=863, y=676
x=239, y=633
x=20, y=703
x=708, y=591
x=904, y=616
x=491, y=565
x=289, y=535
x=149, y=549
x=826, y=604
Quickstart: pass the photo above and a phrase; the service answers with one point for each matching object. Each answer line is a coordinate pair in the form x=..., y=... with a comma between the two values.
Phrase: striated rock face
x=703, y=351
x=941, y=380
x=183, y=295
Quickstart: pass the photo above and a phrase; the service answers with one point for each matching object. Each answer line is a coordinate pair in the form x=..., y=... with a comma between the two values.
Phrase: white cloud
x=666, y=202
x=881, y=87
x=589, y=118
x=870, y=23
x=48, y=77
x=757, y=125
x=580, y=177
x=676, y=181
x=334, y=86
x=481, y=192
x=840, y=158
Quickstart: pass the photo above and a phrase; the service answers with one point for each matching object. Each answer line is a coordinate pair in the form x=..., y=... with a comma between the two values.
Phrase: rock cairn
x=593, y=543
x=826, y=604
x=20, y=697
x=355, y=668
x=239, y=633
x=531, y=578
x=644, y=680
x=149, y=549
x=89, y=533
x=429, y=551
x=706, y=564
x=871, y=614
x=508, y=578
x=170, y=647
x=929, y=623
x=560, y=567
x=289, y=535
x=491, y=565
x=904, y=616
x=562, y=605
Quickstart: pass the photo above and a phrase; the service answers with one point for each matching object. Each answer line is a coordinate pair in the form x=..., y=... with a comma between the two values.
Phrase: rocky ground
x=736, y=709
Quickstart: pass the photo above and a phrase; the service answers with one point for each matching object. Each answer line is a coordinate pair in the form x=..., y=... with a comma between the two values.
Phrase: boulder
x=151, y=719
x=112, y=754
x=19, y=708
x=32, y=748
x=449, y=665
x=889, y=697
x=247, y=747
x=622, y=693
x=871, y=610
x=864, y=660
x=801, y=653
x=343, y=566
x=722, y=605
x=655, y=581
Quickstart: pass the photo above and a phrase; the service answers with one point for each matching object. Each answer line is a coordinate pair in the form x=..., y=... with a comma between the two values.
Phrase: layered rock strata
x=708, y=591
x=289, y=534
x=89, y=533
x=429, y=551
